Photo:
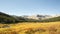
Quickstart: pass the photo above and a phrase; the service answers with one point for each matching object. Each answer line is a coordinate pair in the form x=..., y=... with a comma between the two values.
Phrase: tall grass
x=32, y=28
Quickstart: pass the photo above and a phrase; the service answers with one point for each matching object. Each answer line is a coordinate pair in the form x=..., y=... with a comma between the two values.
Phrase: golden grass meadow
x=31, y=28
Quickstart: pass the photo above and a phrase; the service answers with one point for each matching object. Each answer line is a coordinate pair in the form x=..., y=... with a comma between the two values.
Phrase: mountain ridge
x=5, y=18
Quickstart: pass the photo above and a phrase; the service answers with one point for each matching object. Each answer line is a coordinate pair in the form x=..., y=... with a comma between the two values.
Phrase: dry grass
x=32, y=28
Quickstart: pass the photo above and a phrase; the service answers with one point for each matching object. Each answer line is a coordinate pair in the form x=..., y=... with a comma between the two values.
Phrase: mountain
x=3, y=14
x=38, y=17
x=5, y=18
x=52, y=19
x=42, y=18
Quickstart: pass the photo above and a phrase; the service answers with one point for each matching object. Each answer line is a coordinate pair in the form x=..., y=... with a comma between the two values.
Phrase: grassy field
x=30, y=28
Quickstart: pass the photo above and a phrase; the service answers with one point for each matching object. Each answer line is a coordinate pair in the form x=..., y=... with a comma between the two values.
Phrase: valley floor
x=30, y=28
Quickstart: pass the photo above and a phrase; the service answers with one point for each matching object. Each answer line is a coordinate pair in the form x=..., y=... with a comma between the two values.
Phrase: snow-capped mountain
x=37, y=17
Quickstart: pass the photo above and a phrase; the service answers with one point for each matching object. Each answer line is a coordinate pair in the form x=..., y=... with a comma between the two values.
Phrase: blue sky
x=30, y=7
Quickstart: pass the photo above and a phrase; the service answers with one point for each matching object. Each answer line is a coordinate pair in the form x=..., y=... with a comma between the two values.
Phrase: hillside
x=52, y=19
x=5, y=18
x=42, y=19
